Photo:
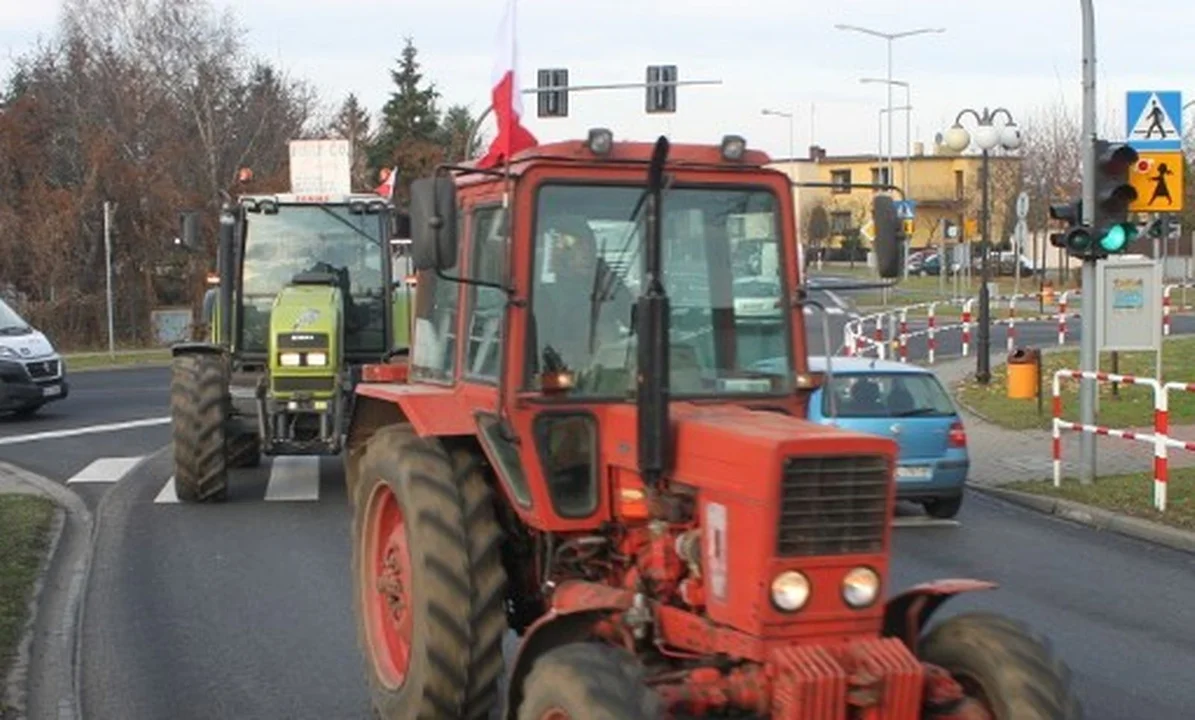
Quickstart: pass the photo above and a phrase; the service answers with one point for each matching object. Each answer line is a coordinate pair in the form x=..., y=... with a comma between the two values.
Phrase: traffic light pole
x=983, y=359
x=1088, y=349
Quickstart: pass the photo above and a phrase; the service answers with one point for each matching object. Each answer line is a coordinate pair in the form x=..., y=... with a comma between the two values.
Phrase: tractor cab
x=600, y=440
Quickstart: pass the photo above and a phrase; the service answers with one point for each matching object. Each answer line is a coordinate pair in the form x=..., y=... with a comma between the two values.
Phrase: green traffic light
x=1119, y=236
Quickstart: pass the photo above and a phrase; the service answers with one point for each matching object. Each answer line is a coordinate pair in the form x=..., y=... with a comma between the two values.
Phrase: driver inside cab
x=579, y=302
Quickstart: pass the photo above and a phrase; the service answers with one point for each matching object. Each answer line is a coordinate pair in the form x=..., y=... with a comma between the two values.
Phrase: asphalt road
x=242, y=610
x=99, y=420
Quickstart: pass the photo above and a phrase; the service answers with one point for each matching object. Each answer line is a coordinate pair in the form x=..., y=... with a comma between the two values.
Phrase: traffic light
x=1077, y=238
x=553, y=93
x=661, y=89
x=1113, y=195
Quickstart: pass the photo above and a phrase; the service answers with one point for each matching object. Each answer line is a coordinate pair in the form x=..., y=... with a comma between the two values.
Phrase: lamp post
x=890, y=37
x=792, y=143
x=987, y=137
x=908, y=108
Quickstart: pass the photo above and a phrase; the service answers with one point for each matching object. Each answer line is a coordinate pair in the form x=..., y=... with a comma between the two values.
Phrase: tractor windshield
x=722, y=273
x=316, y=238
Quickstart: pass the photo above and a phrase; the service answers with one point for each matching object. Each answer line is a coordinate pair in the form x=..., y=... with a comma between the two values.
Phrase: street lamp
x=908, y=108
x=890, y=37
x=792, y=144
x=987, y=136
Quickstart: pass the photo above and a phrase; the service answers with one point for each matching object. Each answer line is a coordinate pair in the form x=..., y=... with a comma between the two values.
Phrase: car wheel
x=943, y=508
x=27, y=411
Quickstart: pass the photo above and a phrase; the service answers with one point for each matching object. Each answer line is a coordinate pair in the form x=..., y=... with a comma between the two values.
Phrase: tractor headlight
x=289, y=359
x=317, y=358
x=860, y=587
x=790, y=591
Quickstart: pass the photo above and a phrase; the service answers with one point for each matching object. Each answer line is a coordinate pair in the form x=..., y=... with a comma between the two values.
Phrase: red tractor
x=600, y=410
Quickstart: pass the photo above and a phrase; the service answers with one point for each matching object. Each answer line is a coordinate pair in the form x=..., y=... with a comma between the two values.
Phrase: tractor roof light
x=600, y=142
x=733, y=148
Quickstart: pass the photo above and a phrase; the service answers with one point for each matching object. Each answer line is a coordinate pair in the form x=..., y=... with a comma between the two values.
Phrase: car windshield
x=9, y=319
x=316, y=238
x=587, y=274
x=888, y=395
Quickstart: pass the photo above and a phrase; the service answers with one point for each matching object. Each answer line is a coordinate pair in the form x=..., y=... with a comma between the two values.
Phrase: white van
x=31, y=370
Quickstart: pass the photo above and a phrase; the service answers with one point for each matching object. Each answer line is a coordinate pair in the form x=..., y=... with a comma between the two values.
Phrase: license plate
x=51, y=390
x=914, y=472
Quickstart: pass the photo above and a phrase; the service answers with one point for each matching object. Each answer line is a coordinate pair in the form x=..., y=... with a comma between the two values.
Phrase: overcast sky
x=781, y=54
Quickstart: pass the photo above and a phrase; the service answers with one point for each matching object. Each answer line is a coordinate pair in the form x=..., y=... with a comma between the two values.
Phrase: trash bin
x=1023, y=367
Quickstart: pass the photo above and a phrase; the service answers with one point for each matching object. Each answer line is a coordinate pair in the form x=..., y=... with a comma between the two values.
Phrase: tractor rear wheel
x=244, y=445
x=198, y=409
x=411, y=577
x=1003, y=667
x=588, y=681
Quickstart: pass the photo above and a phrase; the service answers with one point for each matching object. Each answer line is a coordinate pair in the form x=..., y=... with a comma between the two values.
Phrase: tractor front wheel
x=1002, y=667
x=588, y=681
x=411, y=577
x=198, y=410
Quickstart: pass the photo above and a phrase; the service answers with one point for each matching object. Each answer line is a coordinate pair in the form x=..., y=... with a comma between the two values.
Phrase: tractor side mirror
x=887, y=236
x=433, y=223
x=188, y=233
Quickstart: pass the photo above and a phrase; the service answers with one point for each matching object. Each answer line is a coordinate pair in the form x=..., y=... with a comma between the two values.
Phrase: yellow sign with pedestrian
x=1158, y=179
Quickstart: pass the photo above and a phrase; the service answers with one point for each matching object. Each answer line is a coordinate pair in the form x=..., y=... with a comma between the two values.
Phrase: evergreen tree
x=352, y=123
x=410, y=115
x=458, y=124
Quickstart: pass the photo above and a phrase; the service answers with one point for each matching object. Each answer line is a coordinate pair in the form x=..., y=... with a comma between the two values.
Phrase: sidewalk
x=1000, y=456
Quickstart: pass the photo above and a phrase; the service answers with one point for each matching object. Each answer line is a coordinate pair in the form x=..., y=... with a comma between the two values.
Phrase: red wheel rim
x=385, y=586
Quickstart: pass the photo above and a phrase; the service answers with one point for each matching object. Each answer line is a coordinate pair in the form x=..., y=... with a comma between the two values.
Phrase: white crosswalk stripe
x=105, y=470
x=289, y=478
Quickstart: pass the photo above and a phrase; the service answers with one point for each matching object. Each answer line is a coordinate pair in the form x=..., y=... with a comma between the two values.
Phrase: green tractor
x=303, y=297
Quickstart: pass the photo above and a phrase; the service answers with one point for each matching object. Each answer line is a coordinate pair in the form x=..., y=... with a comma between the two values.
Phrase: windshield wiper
x=15, y=330
x=917, y=411
x=348, y=224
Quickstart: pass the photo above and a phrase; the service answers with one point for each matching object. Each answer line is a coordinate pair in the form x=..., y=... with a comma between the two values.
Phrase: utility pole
x=108, y=275
x=1088, y=350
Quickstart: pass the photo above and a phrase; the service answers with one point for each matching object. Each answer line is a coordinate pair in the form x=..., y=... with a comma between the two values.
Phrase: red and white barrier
x=967, y=326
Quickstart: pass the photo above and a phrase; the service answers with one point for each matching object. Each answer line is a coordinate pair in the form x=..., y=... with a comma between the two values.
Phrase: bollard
x=967, y=326
x=904, y=335
x=930, y=342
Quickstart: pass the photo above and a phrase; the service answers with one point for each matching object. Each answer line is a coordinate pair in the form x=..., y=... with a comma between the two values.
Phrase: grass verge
x=24, y=539
x=1122, y=407
x=122, y=358
x=1127, y=494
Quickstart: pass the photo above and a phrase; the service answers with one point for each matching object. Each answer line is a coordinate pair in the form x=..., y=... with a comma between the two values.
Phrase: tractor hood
x=306, y=309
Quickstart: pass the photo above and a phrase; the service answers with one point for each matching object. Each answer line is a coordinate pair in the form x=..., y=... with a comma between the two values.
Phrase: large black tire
x=417, y=475
x=943, y=508
x=198, y=408
x=1000, y=663
x=488, y=621
x=244, y=446
x=588, y=681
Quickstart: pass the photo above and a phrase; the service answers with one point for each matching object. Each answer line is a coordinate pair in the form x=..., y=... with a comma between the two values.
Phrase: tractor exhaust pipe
x=653, y=320
x=226, y=263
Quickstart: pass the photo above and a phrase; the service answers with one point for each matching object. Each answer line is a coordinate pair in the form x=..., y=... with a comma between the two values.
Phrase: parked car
x=31, y=371
x=909, y=404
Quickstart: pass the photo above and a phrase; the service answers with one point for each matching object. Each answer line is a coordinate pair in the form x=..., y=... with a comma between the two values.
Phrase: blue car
x=909, y=404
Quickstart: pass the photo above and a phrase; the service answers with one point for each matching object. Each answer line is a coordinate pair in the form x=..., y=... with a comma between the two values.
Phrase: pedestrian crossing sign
x=1158, y=179
x=1154, y=119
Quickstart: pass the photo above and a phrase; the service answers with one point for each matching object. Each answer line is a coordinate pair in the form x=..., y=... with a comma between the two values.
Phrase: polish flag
x=508, y=106
x=386, y=189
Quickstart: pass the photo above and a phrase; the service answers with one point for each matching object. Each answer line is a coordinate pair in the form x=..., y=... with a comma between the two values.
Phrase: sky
x=784, y=55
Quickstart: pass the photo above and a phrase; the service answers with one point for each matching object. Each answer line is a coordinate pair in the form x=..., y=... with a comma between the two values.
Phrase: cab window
x=486, y=305
x=433, y=357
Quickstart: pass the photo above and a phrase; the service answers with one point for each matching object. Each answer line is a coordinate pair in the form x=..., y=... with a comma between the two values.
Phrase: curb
x=114, y=368
x=1097, y=518
x=58, y=591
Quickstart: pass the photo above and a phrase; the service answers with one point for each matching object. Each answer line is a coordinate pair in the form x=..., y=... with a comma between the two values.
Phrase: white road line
x=87, y=430
x=294, y=478
x=105, y=470
x=167, y=494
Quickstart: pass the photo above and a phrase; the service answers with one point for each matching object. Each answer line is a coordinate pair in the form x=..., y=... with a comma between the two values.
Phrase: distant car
x=909, y=404
x=758, y=297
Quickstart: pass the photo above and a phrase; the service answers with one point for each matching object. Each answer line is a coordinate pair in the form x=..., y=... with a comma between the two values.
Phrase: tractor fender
x=576, y=605
x=196, y=348
x=907, y=613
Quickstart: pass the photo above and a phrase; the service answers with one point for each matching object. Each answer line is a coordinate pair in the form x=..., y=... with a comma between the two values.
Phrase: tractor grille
x=832, y=505
x=304, y=384
x=302, y=341
x=43, y=369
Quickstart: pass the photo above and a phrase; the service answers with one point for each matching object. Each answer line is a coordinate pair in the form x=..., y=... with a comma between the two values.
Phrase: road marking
x=105, y=470
x=167, y=494
x=87, y=430
x=294, y=478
